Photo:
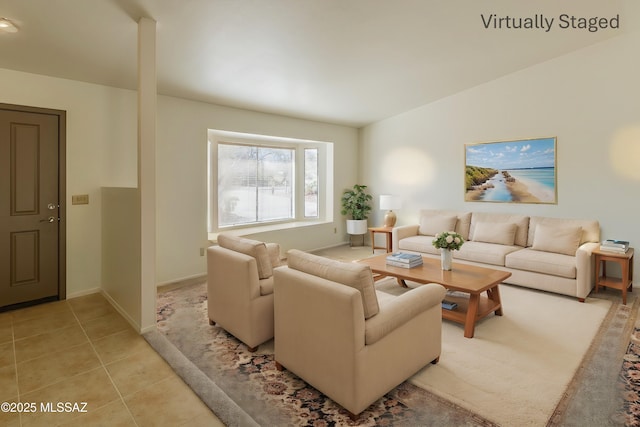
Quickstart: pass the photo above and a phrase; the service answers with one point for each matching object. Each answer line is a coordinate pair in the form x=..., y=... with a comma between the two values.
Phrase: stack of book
x=400, y=259
x=619, y=246
x=449, y=305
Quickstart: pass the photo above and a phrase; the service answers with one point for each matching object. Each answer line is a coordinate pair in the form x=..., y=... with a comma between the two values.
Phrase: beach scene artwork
x=519, y=171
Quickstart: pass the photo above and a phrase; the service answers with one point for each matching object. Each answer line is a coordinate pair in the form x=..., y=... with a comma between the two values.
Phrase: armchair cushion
x=357, y=276
x=253, y=248
x=395, y=312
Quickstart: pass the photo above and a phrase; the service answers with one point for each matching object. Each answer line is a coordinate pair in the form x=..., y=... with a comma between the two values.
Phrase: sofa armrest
x=399, y=233
x=584, y=269
x=395, y=313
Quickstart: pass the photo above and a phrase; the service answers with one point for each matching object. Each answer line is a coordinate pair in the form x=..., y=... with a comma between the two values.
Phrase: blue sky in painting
x=532, y=153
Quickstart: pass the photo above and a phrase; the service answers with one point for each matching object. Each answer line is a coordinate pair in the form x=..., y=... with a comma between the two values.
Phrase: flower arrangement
x=448, y=240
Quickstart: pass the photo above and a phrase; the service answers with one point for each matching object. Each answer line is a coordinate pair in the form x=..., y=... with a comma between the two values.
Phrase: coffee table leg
x=494, y=295
x=472, y=312
x=402, y=283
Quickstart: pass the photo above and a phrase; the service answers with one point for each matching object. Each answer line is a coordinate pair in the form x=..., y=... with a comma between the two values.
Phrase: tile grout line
x=104, y=367
x=15, y=367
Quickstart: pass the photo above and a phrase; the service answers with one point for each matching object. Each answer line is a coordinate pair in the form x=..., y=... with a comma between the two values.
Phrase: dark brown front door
x=29, y=205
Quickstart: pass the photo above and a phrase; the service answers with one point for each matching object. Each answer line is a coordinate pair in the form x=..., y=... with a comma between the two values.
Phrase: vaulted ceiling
x=350, y=62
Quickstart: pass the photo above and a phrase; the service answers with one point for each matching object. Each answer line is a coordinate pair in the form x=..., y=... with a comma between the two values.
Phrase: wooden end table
x=625, y=260
x=388, y=231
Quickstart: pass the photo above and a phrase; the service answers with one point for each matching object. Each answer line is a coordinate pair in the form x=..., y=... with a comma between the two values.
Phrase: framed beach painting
x=518, y=171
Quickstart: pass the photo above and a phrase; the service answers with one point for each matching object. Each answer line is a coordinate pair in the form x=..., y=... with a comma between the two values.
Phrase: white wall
x=121, y=254
x=587, y=99
x=181, y=170
x=101, y=151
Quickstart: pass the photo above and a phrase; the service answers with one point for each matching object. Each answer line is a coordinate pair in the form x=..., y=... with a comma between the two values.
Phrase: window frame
x=325, y=177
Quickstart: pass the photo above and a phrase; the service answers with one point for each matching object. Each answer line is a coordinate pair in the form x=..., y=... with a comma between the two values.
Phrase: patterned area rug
x=630, y=382
x=273, y=397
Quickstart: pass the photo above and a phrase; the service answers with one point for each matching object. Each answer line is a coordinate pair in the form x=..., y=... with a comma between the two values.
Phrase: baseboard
x=83, y=293
x=329, y=247
x=122, y=312
x=113, y=303
x=189, y=280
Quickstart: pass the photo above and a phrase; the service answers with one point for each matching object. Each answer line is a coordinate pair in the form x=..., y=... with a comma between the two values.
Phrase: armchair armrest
x=226, y=266
x=399, y=233
x=402, y=309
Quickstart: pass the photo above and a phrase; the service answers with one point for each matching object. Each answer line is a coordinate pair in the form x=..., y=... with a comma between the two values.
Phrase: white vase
x=445, y=258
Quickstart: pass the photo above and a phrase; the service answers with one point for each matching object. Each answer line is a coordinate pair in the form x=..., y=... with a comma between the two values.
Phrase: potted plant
x=356, y=204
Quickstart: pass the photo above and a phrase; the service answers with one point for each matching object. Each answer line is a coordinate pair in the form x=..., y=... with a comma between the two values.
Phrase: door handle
x=50, y=219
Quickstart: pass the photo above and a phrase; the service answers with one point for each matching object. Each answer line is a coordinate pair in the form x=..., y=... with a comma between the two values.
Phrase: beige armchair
x=240, y=287
x=349, y=342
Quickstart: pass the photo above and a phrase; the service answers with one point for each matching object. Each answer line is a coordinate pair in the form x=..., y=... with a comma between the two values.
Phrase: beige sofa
x=352, y=343
x=240, y=287
x=550, y=254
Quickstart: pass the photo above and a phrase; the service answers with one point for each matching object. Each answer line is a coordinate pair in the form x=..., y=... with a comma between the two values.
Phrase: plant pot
x=445, y=259
x=357, y=226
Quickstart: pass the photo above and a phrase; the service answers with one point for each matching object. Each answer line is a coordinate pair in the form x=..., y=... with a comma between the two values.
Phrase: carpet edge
x=558, y=415
x=208, y=391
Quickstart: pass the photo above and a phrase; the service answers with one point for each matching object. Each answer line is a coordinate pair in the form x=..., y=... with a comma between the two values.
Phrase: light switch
x=80, y=199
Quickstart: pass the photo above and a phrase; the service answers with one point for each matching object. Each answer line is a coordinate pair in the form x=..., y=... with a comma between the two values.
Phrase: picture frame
x=513, y=171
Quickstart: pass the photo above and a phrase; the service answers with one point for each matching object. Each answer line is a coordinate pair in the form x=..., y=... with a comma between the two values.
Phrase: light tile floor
x=82, y=350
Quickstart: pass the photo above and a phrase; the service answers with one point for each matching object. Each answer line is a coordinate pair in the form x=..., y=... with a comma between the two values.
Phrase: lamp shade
x=389, y=202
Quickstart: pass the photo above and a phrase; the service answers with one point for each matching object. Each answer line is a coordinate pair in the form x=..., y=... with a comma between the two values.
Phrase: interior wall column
x=147, y=102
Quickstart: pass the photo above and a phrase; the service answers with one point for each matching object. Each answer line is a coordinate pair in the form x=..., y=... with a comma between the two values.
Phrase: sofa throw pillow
x=560, y=240
x=357, y=276
x=432, y=225
x=253, y=248
x=502, y=233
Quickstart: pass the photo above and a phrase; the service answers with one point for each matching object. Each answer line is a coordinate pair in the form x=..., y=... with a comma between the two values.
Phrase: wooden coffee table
x=463, y=278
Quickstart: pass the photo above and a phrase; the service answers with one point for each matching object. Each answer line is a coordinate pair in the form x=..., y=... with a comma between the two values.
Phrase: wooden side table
x=387, y=231
x=625, y=260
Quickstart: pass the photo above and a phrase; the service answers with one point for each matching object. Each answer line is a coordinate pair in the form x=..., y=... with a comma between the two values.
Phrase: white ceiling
x=341, y=61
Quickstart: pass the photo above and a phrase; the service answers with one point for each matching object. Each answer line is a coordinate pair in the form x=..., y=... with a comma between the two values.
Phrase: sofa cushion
x=561, y=240
x=486, y=253
x=253, y=248
x=418, y=244
x=542, y=262
x=430, y=226
x=521, y=222
x=502, y=233
x=590, y=228
x=355, y=275
x=461, y=226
